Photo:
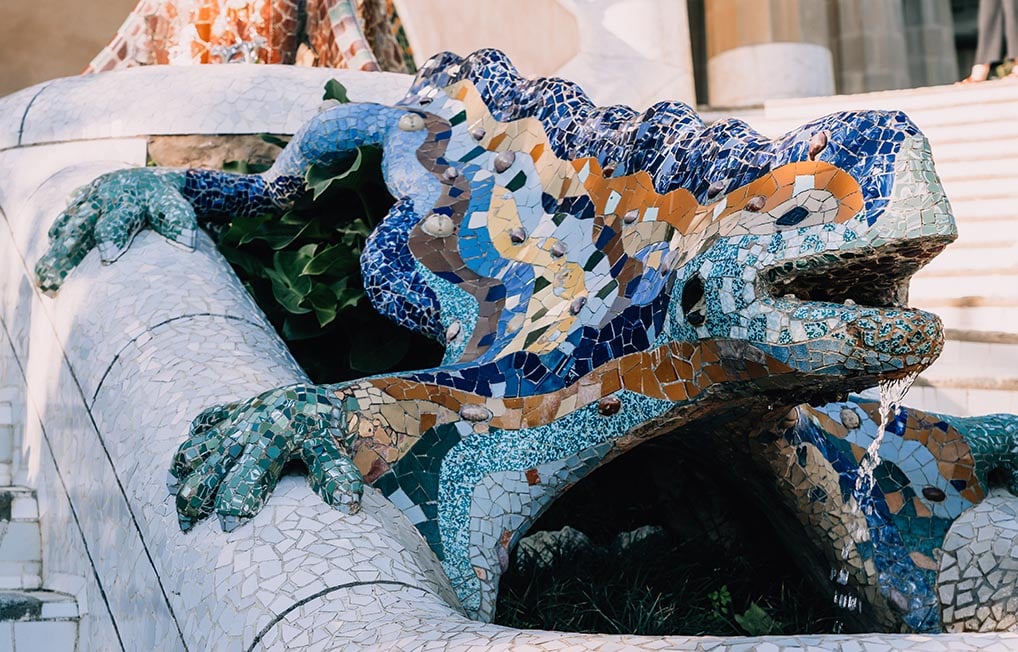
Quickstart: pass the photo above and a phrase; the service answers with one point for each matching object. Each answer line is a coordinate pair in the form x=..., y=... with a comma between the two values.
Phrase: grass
x=734, y=580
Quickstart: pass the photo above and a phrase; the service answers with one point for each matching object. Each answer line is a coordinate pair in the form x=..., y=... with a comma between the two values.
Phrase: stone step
x=982, y=318
x=980, y=355
x=928, y=286
x=996, y=187
x=976, y=233
x=962, y=397
x=990, y=257
x=976, y=137
x=993, y=170
x=38, y=620
x=967, y=209
x=958, y=104
x=968, y=144
x=20, y=539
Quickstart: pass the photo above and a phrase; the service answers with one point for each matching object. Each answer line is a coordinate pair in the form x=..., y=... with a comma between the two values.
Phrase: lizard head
x=809, y=263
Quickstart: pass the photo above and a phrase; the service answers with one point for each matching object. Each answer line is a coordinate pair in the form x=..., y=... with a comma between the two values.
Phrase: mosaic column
x=764, y=49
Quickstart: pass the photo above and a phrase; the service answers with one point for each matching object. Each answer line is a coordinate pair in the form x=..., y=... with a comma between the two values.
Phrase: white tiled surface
x=235, y=99
x=153, y=354
x=12, y=110
x=41, y=635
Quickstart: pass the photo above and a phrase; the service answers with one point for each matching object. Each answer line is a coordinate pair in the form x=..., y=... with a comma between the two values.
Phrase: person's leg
x=989, y=45
x=1011, y=33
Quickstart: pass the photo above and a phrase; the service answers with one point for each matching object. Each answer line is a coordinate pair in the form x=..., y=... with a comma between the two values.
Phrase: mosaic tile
x=330, y=33
x=885, y=541
x=616, y=277
x=250, y=106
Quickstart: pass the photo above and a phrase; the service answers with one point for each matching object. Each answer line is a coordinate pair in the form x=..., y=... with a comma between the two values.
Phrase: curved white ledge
x=115, y=366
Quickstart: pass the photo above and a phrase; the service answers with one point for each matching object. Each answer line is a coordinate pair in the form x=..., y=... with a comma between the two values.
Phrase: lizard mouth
x=868, y=278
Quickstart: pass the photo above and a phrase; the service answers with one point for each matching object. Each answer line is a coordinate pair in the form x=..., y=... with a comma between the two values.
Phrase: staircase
x=31, y=618
x=973, y=285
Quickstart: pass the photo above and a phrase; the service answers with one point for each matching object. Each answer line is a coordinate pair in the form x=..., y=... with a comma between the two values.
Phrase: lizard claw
x=107, y=213
x=236, y=453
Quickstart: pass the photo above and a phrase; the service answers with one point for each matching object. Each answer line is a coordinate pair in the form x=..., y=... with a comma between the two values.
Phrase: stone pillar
x=929, y=35
x=764, y=49
x=871, y=44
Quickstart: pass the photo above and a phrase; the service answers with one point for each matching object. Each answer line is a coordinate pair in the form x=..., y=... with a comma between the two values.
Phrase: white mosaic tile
x=235, y=99
x=12, y=111
x=67, y=567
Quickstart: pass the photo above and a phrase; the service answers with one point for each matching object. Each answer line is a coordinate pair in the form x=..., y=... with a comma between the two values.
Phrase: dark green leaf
x=346, y=296
x=320, y=178
x=335, y=91
x=240, y=167
x=336, y=257
x=245, y=229
x=251, y=264
x=288, y=286
x=323, y=302
x=280, y=236
x=294, y=217
x=755, y=621
x=300, y=327
x=272, y=139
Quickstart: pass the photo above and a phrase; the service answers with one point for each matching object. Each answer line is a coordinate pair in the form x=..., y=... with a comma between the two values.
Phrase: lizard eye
x=411, y=122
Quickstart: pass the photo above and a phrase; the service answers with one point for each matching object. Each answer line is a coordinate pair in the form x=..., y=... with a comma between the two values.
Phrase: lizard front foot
x=109, y=212
x=236, y=452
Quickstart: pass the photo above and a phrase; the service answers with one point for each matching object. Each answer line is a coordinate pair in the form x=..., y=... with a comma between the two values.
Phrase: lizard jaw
x=869, y=278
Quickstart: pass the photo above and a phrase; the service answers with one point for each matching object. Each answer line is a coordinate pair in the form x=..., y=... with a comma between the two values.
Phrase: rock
x=544, y=552
x=210, y=151
x=648, y=540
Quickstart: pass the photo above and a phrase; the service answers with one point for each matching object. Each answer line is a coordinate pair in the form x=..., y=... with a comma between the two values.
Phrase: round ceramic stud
x=817, y=144
x=504, y=161
x=411, y=122
x=756, y=204
x=577, y=305
x=609, y=405
x=517, y=234
x=438, y=225
x=716, y=188
x=849, y=418
x=475, y=413
x=453, y=331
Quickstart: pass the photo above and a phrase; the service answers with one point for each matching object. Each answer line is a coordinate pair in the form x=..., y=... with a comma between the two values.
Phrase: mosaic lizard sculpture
x=364, y=35
x=599, y=277
x=890, y=527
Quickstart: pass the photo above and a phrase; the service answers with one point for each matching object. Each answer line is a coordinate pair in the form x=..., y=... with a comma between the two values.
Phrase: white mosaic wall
x=103, y=379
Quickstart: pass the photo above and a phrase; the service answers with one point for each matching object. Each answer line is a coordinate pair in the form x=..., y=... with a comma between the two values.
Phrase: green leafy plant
x=303, y=269
x=755, y=621
x=720, y=602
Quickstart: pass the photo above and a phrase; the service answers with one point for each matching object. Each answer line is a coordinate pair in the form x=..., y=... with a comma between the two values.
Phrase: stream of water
x=892, y=392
